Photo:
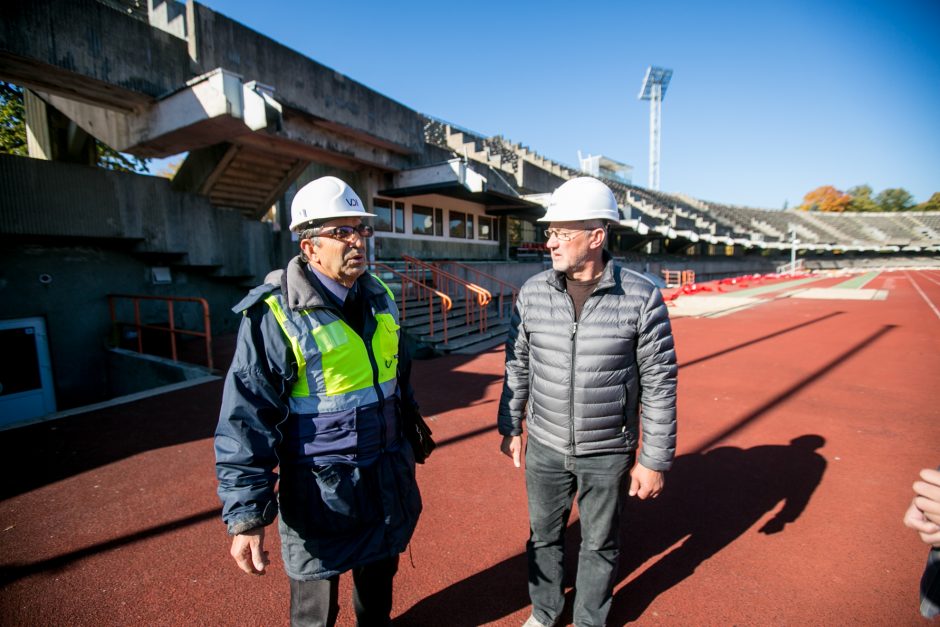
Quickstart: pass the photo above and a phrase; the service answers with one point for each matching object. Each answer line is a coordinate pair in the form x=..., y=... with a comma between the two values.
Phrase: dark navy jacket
x=333, y=516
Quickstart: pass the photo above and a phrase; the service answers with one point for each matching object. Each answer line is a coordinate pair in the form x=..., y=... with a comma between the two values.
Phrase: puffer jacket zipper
x=574, y=347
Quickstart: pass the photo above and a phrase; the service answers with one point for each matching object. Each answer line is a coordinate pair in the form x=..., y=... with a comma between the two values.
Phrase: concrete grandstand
x=160, y=79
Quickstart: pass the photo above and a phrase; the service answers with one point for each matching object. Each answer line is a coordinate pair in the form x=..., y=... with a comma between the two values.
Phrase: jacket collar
x=303, y=289
x=559, y=281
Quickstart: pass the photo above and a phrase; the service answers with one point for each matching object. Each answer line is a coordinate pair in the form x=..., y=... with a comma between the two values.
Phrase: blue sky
x=768, y=100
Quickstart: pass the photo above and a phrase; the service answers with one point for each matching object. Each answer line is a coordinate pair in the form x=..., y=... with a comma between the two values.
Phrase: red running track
x=110, y=517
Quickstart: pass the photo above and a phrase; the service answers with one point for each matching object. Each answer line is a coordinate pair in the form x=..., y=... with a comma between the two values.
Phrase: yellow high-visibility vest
x=335, y=365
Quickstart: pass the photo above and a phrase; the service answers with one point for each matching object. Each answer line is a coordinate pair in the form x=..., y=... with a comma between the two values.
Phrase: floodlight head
x=655, y=76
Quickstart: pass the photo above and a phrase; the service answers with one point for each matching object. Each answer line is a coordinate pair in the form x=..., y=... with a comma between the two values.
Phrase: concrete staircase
x=464, y=336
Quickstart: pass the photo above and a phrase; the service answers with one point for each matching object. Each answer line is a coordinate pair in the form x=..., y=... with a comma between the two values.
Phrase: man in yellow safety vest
x=314, y=389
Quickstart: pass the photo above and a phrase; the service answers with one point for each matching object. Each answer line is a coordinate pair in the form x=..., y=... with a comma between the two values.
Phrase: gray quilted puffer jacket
x=580, y=385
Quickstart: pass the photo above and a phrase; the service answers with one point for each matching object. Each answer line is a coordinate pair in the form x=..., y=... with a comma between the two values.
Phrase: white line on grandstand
x=922, y=295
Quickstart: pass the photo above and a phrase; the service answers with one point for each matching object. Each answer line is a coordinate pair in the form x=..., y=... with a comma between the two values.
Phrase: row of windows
x=390, y=218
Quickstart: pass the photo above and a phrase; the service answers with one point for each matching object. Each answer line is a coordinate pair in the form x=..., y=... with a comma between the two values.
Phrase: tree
x=12, y=121
x=861, y=199
x=111, y=159
x=13, y=134
x=895, y=199
x=931, y=205
x=825, y=198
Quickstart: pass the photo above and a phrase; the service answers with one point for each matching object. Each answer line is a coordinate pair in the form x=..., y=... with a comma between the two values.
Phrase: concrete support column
x=38, y=135
x=191, y=31
x=52, y=136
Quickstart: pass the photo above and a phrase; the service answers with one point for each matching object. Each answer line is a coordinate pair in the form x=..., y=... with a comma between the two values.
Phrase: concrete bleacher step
x=474, y=344
x=462, y=337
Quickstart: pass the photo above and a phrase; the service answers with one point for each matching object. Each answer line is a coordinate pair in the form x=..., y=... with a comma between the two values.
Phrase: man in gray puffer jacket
x=589, y=344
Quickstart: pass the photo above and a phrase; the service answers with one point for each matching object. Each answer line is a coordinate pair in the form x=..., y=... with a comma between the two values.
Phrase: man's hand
x=511, y=446
x=248, y=551
x=645, y=483
x=923, y=516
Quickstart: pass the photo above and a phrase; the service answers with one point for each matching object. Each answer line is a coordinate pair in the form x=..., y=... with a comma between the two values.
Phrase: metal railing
x=171, y=324
x=791, y=267
x=421, y=292
x=478, y=275
x=476, y=298
x=678, y=278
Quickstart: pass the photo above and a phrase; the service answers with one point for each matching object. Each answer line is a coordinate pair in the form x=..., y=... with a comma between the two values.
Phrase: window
x=458, y=224
x=487, y=228
x=399, y=217
x=422, y=220
x=388, y=214
x=383, y=214
x=439, y=222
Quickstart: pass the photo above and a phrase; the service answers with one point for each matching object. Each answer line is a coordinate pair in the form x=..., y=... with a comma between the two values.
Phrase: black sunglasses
x=345, y=233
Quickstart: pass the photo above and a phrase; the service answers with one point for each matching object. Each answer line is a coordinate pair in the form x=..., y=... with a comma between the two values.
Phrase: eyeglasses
x=345, y=233
x=563, y=236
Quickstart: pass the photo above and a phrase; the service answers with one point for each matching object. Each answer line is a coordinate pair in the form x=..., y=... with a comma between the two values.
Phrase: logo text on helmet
x=352, y=202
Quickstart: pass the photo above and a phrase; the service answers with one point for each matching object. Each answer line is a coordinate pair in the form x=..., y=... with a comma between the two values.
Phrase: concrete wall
x=85, y=49
x=535, y=179
x=130, y=372
x=57, y=200
x=70, y=235
x=93, y=40
x=517, y=273
x=67, y=282
x=872, y=262
x=392, y=249
x=302, y=83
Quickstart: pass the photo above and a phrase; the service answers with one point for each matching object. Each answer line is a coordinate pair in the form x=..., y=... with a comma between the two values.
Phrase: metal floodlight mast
x=654, y=89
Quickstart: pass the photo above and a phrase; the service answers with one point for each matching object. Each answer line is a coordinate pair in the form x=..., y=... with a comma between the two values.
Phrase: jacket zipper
x=375, y=381
x=574, y=350
x=380, y=408
x=574, y=345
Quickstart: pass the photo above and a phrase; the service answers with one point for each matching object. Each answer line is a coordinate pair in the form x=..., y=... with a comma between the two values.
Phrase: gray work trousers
x=316, y=603
x=552, y=479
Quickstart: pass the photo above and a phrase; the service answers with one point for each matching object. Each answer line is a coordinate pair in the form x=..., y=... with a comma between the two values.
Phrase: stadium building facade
x=256, y=121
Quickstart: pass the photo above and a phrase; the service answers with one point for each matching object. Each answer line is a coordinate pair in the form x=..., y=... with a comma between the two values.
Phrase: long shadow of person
x=711, y=499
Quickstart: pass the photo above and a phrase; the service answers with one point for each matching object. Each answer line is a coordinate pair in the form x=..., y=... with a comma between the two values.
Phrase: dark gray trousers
x=552, y=479
x=316, y=603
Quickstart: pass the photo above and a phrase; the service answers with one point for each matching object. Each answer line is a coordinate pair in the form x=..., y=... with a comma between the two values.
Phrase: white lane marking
x=929, y=279
x=922, y=295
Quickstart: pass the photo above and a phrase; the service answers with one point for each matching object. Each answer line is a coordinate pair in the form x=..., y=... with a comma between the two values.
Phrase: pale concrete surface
x=837, y=293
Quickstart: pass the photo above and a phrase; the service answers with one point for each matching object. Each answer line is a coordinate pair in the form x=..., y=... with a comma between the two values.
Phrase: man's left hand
x=645, y=483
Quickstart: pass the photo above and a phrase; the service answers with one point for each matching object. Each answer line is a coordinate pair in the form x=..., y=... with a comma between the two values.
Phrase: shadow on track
x=12, y=572
x=711, y=500
x=63, y=448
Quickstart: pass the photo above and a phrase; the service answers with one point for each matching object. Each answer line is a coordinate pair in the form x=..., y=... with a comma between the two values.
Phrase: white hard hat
x=582, y=198
x=324, y=199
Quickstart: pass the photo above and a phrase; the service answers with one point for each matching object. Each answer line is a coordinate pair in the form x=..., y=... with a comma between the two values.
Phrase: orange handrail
x=678, y=278
x=446, y=302
x=513, y=290
x=446, y=282
x=171, y=328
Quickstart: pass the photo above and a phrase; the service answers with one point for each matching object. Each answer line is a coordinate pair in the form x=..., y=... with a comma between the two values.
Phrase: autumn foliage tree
x=826, y=198
x=859, y=198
